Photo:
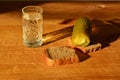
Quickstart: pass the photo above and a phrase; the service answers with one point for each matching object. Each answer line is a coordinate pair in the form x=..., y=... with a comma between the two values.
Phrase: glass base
x=39, y=43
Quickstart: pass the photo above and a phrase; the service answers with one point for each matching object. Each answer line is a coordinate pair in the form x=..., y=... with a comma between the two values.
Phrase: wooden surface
x=18, y=62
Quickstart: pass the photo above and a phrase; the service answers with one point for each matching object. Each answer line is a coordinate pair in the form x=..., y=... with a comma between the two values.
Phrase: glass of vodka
x=32, y=23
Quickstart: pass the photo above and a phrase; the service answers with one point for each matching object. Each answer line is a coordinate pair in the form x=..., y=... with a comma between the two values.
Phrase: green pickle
x=81, y=32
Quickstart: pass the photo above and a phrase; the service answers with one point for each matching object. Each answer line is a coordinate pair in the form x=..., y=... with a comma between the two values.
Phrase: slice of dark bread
x=60, y=55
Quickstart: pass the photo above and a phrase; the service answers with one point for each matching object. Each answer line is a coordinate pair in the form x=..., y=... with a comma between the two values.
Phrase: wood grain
x=18, y=62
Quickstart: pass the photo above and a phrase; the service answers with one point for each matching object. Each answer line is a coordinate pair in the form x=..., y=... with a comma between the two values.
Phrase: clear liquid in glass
x=32, y=29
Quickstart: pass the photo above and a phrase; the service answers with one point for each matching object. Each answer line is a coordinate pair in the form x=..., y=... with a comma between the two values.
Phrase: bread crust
x=62, y=61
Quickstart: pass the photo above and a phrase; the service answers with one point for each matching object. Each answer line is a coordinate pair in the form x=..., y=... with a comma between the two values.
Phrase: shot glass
x=32, y=24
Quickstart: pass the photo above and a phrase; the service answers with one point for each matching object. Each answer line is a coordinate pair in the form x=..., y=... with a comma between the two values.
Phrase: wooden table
x=18, y=62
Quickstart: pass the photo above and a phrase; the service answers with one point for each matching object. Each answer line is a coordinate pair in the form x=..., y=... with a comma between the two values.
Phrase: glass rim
x=40, y=8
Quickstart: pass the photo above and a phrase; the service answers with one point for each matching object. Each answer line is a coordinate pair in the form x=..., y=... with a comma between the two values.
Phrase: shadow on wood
x=81, y=55
x=105, y=32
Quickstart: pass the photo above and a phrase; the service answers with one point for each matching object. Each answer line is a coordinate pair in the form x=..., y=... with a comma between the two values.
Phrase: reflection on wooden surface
x=57, y=35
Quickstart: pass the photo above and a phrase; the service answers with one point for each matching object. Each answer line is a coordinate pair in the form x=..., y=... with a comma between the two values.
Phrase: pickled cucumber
x=81, y=32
